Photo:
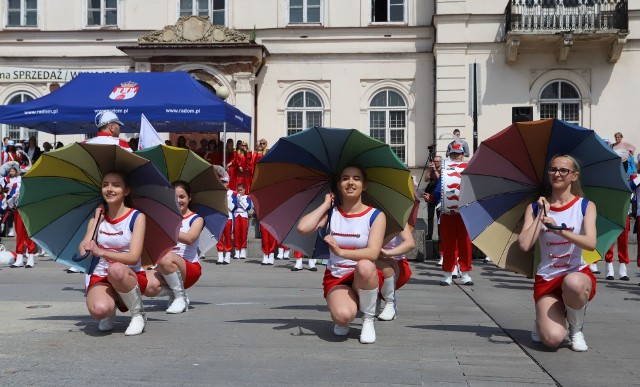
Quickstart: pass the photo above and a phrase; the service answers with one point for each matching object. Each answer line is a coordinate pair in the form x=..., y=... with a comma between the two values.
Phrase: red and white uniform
x=23, y=242
x=268, y=241
x=403, y=264
x=351, y=232
x=224, y=243
x=188, y=252
x=115, y=235
x=454, y=236
x=241, y=221
x=623, y=243
x=10, y=156
x=559, y=257
x=105, y=138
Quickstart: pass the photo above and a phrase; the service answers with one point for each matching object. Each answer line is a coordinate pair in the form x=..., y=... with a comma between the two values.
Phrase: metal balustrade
x=540, y=16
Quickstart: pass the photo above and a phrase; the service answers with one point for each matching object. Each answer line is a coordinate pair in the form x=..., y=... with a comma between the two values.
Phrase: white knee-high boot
x=19, y=261
x=389, y=294
x=575, y=317
x=220, y=258
x=133, y=301
x=271, y=259
x=227, y=258
x=368, y=308
x=30, y=261
x=280, y=253
x=286, y=254
x=265, y=259
x=106, y=324
x=181, y=301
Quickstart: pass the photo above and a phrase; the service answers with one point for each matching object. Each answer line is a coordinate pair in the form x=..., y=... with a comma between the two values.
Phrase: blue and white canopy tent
x=172, y=102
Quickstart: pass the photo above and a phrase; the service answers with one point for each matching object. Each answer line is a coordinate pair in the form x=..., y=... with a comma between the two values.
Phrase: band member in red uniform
x=454, y=233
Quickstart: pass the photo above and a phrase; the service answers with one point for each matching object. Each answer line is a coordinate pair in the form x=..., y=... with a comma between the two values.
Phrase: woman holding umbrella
x=179, y=269
x=565, y=225
x=355, y=240
x=118, y=278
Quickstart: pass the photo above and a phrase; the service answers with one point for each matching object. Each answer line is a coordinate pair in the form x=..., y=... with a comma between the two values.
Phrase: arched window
x=388, y=121
x=560, y=99
x=304, y=110
x=17, y=132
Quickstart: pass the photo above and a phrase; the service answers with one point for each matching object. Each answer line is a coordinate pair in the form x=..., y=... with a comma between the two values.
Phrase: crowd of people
x=360, y=271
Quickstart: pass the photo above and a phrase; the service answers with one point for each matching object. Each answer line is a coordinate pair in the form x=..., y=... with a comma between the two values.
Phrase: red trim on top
x=354, y=215
x=123, y=144
x=188, y=216
x=566, y=206
x=103, y=134
x=120, y=219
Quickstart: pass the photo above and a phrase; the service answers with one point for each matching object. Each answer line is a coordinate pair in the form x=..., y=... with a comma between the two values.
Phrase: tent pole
x=224, y=148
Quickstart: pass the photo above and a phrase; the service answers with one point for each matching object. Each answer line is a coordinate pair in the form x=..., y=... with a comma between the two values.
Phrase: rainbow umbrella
x=293, y=178
x=61, y=191
x=508, y=172
x=209, y=197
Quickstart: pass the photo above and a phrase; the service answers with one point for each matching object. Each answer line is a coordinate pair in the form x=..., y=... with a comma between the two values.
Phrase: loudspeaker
x=521, y=113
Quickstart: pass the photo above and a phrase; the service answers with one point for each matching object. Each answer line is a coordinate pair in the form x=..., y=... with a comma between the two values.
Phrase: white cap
x=10, y=142
x=105, y=118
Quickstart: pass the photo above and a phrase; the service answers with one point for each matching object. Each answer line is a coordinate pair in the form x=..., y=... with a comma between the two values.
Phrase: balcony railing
x=566, y=15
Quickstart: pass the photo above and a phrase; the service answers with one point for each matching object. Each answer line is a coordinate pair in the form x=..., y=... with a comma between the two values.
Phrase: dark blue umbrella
x=172, y=102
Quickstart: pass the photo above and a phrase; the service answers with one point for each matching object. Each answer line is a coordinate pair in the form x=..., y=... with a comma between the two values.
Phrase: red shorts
x=329, y=281
x=194, y=271
x=404, y=274
x=542, y=287
x=142, y=283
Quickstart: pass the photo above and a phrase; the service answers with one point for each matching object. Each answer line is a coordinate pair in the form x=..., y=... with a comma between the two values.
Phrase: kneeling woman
x=357, y=230
x=180, y=268
x=564, y=283
x=118, y=278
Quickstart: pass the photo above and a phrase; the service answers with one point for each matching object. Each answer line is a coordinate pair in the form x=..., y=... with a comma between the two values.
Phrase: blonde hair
x=576, y=186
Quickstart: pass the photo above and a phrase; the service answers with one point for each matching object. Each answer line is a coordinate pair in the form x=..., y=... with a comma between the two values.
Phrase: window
x=388, y=121
x=304, y=110
x=16, y=132
x=304, y=11
x=102, y=13
x=560, y=99
x=387, y=11
x=215, y=9
x=22, y=13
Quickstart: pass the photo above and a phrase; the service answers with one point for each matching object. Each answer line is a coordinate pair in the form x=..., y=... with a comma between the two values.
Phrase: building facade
x=401, y=71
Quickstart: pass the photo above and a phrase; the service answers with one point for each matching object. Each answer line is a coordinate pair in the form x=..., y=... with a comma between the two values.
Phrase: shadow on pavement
x=323, y=329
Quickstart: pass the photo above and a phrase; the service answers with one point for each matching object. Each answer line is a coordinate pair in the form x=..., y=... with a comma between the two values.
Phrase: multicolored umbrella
x=292, y=179
x=508, y=172
x=60, y=193
x=209, y=197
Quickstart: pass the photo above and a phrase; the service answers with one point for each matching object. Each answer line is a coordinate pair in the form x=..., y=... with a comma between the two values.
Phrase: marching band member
x=454, y=234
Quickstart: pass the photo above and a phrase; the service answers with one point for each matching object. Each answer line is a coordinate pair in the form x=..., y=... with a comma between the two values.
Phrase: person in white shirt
x=109, y=126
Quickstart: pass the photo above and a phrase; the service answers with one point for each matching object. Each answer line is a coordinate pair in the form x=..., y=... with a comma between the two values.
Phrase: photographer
x=431, y=178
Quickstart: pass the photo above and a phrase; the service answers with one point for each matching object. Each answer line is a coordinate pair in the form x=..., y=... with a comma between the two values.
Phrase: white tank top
x=451, y=177
x=351, y=231
x=115, y=235
x=188, y=252
x=557, y=255
x=393, y=244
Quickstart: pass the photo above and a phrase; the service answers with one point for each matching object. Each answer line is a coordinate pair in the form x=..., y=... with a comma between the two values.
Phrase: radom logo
x=126, y=90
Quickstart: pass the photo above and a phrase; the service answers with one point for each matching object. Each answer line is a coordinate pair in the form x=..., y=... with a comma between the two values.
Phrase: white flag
x=148, y=135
